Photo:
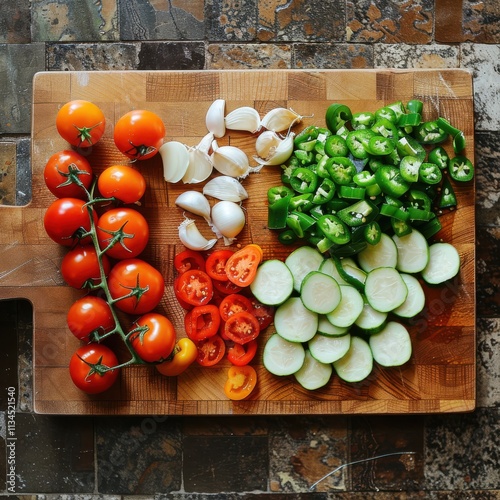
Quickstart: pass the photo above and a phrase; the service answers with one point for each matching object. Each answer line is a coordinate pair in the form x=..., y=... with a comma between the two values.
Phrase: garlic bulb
x=214, y=119
x=194, y=202
x=175, y=159
x=199, y=167
x=279, y=154
x=230, y=160
x=228, y=220
x=243, y=118
x=280, y=119
x=191, y=238
x=225, y=188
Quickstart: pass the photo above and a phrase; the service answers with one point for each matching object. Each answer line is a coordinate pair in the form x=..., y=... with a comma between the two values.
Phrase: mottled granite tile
x=171, y=56
x=304, y=450
x=481, y=21
x=18, y=64
x=82, y=21
x=231, y=21
x=483, y=61
x=376, y=436
x=488, y=361
x=487, y=271
x=15, y=22
x=152, y=20
x=244, y=496
x=416, y=56
x=138, y=456
x=332, y=56
x=225, y=425
x=25, y=357
x=249, y=56
x=387, y=21
x=7, y=173
x=301, y=21
x=91, y=56
x=23, y=171
x=462, y=451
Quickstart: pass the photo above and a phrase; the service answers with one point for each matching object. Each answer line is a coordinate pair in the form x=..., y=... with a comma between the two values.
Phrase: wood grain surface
x=441, y=375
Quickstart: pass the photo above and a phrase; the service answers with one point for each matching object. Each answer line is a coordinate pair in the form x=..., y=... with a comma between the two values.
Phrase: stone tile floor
x=456, y=456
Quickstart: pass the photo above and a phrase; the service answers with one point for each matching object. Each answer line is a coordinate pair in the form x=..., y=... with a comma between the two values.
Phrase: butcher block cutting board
x=441, y=375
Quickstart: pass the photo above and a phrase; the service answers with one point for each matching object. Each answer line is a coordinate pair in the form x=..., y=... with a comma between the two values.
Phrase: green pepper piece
x=343, y=132
x=380, y=145
x=372, y=233
x=364, y=179
x=324, y=192
x=287, y=237
x=398, y=108
x=277, y=193
x=407, y=145
x=324, y=244
x=400, y=227
x=317, y=211
x=391, y=182
x=334, y=205
x=334, y=229
x=386, y=113
x=429, y=229
x=357, y=142
x=299, y=222
x=307, y=145
x=430, y=173
x=279, y=198
x=341, y=170
x=336, y=116
x=304, y=180
x=352, y=192
x=419, y=199
x=288, y=169
x=385, y=128
x=409, y=120
x=304, y=157
x=301, y=202
x=336, y=145
x=419, y=214
x=459, y=142
x=409, y=167
x=445, y=125
x=461, y=169
x=415, y=106
x=364, y=119
x=359, y=213
x=430, y=133
x=440, y=157
x=309, y=133
x=447, y=198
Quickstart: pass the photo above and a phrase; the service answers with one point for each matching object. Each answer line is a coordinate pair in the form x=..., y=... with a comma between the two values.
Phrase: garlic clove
x=230, y=160
x=175, y=159
x=280, y=154
x=214, y=119
x=194, y=202
x=228, y=219
x=206, y=143
x=224, y=187
x=244, y=118
x=191, y=238
x=199, y=167
x=266, y=143
x=280, y=119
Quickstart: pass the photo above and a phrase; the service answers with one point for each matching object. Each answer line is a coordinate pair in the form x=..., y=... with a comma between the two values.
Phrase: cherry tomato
x=89, y=368
x=264, y=313
x=155, y=340
x=187, y=260
x=216, y=264
x=123, y=183
x=202, y=322
x=242, y=327
x=241, y=355
x=184, y=354
x=80, y=267
x=232, y=304
x=89, y=314
x=242, y=265
x=241, y=381
x=66, y=220
x=194, y=287
x=139, y=134
x=81, y=123
x=141, y=280
x=211, y=350
x=127, y=227
x=64, y=170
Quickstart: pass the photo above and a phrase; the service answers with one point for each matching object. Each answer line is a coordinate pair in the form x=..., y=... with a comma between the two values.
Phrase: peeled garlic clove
x=243, y=118
x=228, y=220
x=191, y=238
x=199, y=167
x=280, y=119
x=230, y=160
x=225, y=188
x=215, y=118
x=281, y=154
x=194, y=202
x=175, y=159
x=266, y=143
x=206, y=143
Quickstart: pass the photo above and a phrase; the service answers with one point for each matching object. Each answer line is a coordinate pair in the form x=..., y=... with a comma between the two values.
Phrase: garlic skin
x=280, y=119
x=230, y=160
x=191, y=238
x=199, y=166
x=225, y=188
x=244, y=118
x=214, y=119
x=279, y=154
x=194, y=202
x=228, y=219
x=175, y=159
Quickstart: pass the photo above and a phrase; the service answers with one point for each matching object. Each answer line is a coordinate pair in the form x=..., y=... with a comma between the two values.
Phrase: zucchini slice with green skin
x=327, y=329
x=320, y=293
x=412, y=252
x=302, y=261
x=273, y=282
x=313, y=374
x=370, y=321
x=382, y=254
x=282, y=357
x=385, y=289
x=357, y=363
x=294, y=322
x=392, y=345
x=329, y=349
x=415, y=300
x=349, y=308
x=444, y=263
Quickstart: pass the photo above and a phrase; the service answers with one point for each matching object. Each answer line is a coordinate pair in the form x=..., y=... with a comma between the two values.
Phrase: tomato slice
x=188, y=260
x=202, y=322
x=226, y=287
x=216, y=264
x=211, y=350
x=242, y=327
x=242, y=265
x=232, y=304
x=264, y=313
x=194, y=287
x=241, y=381
x=241, y=355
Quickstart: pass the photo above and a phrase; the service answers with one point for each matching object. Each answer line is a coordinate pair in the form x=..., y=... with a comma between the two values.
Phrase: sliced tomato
x=241, y=355
x=188, y=260
x=264, y=313
x=242, y=266
x=202, y=322
x=211, y=350
x=241, y=381
x=194, y=287
x=242, y=327
x=226, y=287
x=232, y=304
x=216, y=264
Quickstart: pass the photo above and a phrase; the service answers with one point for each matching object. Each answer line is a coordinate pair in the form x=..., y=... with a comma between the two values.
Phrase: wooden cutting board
x=440, y=376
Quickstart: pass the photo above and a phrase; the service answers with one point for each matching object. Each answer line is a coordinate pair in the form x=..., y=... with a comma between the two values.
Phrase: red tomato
x=226, y=287
x=89, y=368
x=187, y=260
x=127, y=227
x=90, y=314
x=216, y=264
x=232, y=304
x=80, y=267
x=64, y=171
x=81, y=123
x=264, y=313
x=242, y=327
x=139, y=283
x=202, y=322
x=242, y=265
x=139, y=134
x=123, y=183
x=155, y=339
x=210, y=351
x=66, y=220
x=241, y=381
x=194, y=287
x=241, y=355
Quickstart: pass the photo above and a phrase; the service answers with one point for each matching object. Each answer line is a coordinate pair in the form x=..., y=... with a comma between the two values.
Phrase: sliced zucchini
x=370, y=320
x=382, y=254
x=302, y=261
x=329, y=349
x=357, y=363
x=273, y=282
x=349, y=308
x=282, y=357
x=294, y=322
x=320, y=293
x=413, y=252
x=385, y=289
x=313, y=374
x=415, y=300
x=329, y=330
x=392, y=345
x=444, y=263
